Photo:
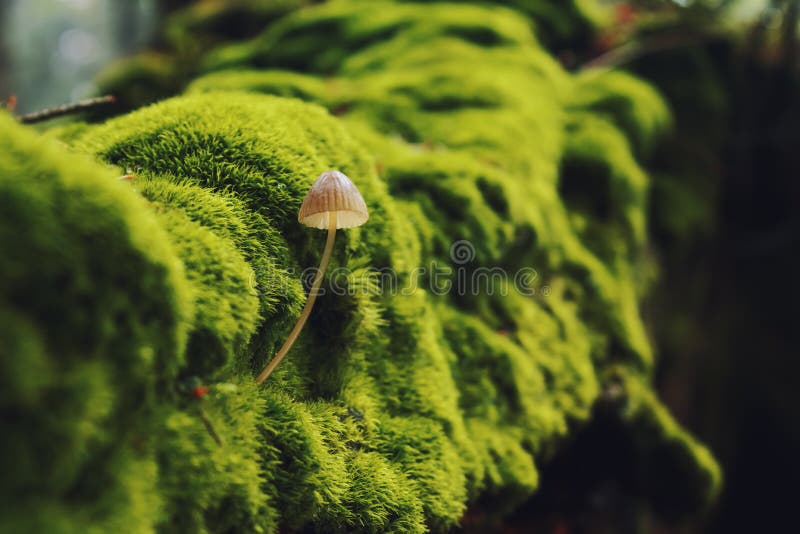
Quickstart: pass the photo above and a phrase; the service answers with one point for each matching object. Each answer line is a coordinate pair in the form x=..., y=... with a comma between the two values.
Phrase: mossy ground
x=395, y=410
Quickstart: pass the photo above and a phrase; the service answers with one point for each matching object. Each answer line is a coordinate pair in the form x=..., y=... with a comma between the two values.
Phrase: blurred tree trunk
x=5, y=87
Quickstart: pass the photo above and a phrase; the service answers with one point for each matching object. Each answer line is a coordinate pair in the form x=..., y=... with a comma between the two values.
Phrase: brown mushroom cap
x=332, y=192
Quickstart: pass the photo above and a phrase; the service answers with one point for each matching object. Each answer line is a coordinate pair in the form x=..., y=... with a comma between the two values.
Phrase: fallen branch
x=66, y=109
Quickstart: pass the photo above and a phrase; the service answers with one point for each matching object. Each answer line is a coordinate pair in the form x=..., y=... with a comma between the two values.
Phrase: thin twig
x=210, y=428
x=66, y=109
x=633, y=50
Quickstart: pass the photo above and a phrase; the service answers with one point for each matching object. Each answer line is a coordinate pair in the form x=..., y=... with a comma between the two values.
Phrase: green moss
x=632, y=104
x=225, y=303
x=413, y=84
x=274, y=82
x=221, y=26
x=510, y=475
x=267, y=151
x=304, y=447
x=604, y=188
x=323, y=38
x=400, y=404
x=209, y=486
x=461, y=198
x=200, y=25
x=91, y=275
x=226, y=216
x=129, y=502
x=22, y=377
x=431, y=461
x=381, y=497
x=679, y=473
x=564, y=23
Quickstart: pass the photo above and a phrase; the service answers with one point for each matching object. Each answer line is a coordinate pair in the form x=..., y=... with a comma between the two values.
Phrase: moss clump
x=214, y=141
x=210, y=486
x=95, y=304
x=198, y=26
x=562, y=24
x=273, y=82
x=603, y=188
x=323, y=39
x=670, y=457
x=227, y=218
x=401, y=403
x=412, y=83
x=223, y=26
x=635, y=106
x=226, y=308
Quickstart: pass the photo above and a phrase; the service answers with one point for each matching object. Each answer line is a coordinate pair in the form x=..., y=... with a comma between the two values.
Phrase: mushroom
x=332, y=202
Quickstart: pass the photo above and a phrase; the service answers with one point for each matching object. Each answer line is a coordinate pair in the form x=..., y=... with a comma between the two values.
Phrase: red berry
x=200, y=391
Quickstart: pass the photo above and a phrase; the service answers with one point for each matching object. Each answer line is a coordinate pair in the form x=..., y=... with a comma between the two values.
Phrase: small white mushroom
x=332, y=202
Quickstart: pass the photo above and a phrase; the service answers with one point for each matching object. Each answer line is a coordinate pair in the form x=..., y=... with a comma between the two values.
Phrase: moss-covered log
x=396, y=409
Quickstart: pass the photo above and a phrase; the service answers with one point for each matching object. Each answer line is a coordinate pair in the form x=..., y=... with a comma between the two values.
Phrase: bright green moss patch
x=309, y=474
x=87, y=273
x=273, y=82
x=413, y=85
x=225, y=304
x=604, y=188
x=339, y=29
x=227, y=217
x=266, y=151
x=509, y=473
x=208, y=486
x=381, y=497
x=431, y=461
x=634, y=105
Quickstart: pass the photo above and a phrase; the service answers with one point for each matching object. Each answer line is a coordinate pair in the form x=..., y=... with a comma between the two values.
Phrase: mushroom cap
x=333, y=192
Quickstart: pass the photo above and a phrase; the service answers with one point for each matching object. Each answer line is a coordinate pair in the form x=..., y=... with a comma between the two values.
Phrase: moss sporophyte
x=332, y=202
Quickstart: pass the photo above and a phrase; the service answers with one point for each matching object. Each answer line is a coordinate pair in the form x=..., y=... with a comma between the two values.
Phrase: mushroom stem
x=312, y=296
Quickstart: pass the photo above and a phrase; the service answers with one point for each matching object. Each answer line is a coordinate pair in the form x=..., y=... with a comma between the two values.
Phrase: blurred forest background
x=724, y=218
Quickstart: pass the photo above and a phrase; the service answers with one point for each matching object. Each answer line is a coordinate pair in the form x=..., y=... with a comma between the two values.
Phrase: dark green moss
x=670, y=457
